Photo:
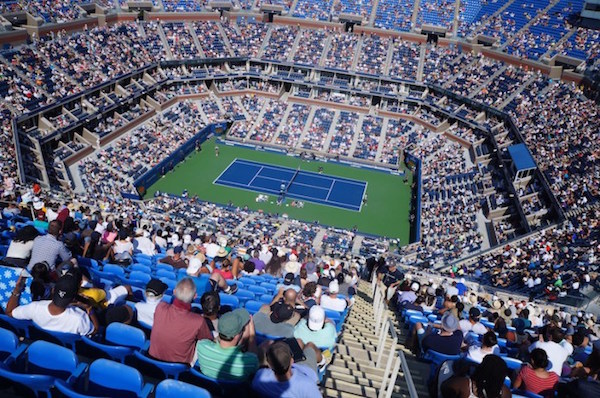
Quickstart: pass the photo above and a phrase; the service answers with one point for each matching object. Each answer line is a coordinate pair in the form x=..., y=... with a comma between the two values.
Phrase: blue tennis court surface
x=299, y=184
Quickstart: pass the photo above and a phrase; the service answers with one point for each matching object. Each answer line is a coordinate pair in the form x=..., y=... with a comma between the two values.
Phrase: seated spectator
x=277, y=322
x=292, y=266
x=155, y=290
x=176, y=260
x=234, y=355
x=580, y=341
x=316, y=329
x=49, y=247
x=259, y=264
x=311, y=272
x=289, y=282
x=448, y=341
x=284, y=378
x=59, y=314
x=534, y=377
x=408, y=293
x=489, y=345
x=472, y=324
x=211, y=305
x=311, y=294
x=41, y=283
x=176, y=328
x=550, y=341
x=122, y=248
x=487, y=381
x=19, y=250
x=331, y=301
x=216, y=281
x=142, y=243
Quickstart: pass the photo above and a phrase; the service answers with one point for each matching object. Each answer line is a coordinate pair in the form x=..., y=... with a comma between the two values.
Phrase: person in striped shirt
x=233, y=356
x=535, y=378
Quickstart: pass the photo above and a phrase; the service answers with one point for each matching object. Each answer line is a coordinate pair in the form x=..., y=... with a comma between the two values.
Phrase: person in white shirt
x=58, y=314
x=20, y=247
x=331, y=301
x=489, y=345
x=212, y=248
x=265, y=254
x=160, y=240
x=155, y=290
x=409, y=296
x=551, y=343
x=142, y=243
x=472, y=324
x=122, y=248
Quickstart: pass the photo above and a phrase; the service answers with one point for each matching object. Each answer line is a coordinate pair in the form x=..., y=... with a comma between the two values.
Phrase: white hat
x=293, y=257
x=415, y=286
x=38, y=204
x=334, y=287
x=222, y=241
x=292, y=266
x=194, y=266
x=316, y=318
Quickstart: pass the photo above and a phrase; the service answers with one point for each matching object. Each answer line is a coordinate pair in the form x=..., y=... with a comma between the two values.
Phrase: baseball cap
x=156, y=287
x=232, y=323
x=177, y=249
x=280, y=312
x=65, y=290
x=334, y=287
x=288, y=279
x=474, y=313
x=449, y=322
x=316, y=318
x=415, y=286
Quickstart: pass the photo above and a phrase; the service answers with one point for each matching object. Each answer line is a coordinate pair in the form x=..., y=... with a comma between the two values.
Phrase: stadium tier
x=300, y=198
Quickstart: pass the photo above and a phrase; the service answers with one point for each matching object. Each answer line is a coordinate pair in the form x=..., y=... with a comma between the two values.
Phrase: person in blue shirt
x=284, y=378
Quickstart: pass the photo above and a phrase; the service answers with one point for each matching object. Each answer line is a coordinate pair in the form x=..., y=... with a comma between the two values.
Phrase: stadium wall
x=142, y=183
x=415, y=230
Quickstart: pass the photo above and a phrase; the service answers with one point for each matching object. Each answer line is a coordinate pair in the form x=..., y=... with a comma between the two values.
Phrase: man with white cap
x=142, y=243
x=409, y=295
x=331, y=301
x=316, y=329
x=292, y=265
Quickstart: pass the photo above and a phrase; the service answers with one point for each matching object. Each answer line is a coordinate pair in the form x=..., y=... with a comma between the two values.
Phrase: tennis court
x=299, y=184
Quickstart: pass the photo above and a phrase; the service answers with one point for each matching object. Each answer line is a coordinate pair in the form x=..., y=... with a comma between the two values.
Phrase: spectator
x=391, y=277
x=19, y=250
x=234, y=355
x=49, y=248
x=211, y=305
x=489, y=345
x=472, y=324
x=283, y=377
x=549, y=341
x=142, y=243
x=176, y=328
x=289, y=282
x=258, y=263
x=176, y=260
x=316, y=329
x=155, y=290
x=487, y=381
x=534, y=377
x=448, y=341
x=275, y=322
x=122, y=248
x=331, y=301
x=58, y=314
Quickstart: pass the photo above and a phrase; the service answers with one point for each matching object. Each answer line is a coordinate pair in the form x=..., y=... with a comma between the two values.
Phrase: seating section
x=395, y=14
x=313, y=9
x=436, y=12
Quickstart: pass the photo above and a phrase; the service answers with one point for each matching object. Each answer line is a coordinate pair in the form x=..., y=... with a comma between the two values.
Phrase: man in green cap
x=233, y=356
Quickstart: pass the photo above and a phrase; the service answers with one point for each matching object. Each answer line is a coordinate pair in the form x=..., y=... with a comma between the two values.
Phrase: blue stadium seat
x=18, y=326
x=229, y=300
x=513, y=363
x=140, y=267
x=9, y=343
x=256, y=289
x=176, y=389
x=223, y=388
x=253, y=306
x=68, y=340
x=120, y=341
x=244, y=295
x=157, y=369
x=266, y=298
x=166, y=267
x=163, y=273
x=114, y=269
x=37, y=368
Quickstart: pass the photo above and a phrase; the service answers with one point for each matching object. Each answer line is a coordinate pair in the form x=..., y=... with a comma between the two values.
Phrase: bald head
x=289, y=296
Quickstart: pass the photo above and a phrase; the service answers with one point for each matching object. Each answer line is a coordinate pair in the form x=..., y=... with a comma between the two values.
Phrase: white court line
x=294, y=183
x=255, y=175
x=362, y=197
x=330, y=188
x=229, y=184
x=226, y=168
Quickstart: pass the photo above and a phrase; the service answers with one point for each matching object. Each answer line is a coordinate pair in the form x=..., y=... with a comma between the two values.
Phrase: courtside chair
x=36, y=369
x=106, y=378
x=178, y=389
x=119, y=342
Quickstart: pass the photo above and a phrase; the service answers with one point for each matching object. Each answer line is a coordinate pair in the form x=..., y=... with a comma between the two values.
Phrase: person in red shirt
x=535, y=378
x=176, y=328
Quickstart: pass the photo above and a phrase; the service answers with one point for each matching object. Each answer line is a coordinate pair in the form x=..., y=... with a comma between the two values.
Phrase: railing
x=386, y=332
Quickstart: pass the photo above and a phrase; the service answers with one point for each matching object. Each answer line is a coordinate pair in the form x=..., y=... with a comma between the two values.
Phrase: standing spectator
x=391, y=277
x=176, y=328
x=49, y=248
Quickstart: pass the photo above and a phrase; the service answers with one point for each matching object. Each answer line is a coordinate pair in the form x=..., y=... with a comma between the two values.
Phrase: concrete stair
x=353, y=371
